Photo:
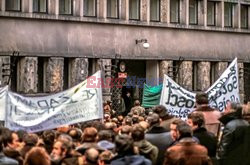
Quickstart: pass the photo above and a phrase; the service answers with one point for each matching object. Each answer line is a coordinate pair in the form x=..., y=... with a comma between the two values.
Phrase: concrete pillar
x=53, y=7
x=203, y=73
x=185, y=78
x=27, y=77
x=145, y=10
x=241, y=83
x=76, y=7
x=54, y=74
x=220, y=14
x=78, y=71
x=205, y=12
x=80, y=8
x=124, y=9
x=5, y=70
x=248, y=17
x=102, y=9
x=152, y=72
x=220, y=67
x=165, y=67
x=236, y=14
x=165, y=11
x=2, y=5
x=184, y=12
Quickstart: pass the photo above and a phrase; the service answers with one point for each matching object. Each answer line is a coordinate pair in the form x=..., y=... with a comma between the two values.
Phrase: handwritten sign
x=180, y=102
x=33, y=114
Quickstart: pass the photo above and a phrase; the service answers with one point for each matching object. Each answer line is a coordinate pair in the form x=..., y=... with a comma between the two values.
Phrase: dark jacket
x=187, y=152
x=231, y=146
x=14, y=154
x=148, y=150
x=131, y=160
x=162, y=139
x=4, y=160
x=206, y=139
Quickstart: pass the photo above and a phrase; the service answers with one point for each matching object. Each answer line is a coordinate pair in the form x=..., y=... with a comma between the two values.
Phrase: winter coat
x=131, y=160
x=162, y=139
x=207, y=139
x=148, y=150
x=4, y=160
x=211, y=115
x=231, y=144
x=187, y=152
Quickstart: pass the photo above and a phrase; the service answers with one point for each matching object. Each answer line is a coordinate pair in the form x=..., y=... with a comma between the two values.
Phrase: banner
x=226, y=88
x=33, y=114
x=180, y=102
x=151, y=96
x=3, y=93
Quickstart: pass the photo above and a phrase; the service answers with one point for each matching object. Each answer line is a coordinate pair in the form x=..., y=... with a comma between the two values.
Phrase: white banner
x=180, y=102
x=78, y=104
x=3, y=93
x=226, y=88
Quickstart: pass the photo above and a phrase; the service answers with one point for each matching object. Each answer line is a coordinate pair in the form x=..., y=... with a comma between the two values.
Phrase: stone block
x=78, y=71
x=165, y=67
x=185, y=75
x=203, y=73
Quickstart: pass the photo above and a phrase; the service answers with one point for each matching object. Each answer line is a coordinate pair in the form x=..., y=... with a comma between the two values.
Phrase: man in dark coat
x=158, y=136
x=231, y=145
x=207, y=139
x=4, y=160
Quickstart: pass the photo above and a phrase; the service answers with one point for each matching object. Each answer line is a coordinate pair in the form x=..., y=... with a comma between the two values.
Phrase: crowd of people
x=139, y=137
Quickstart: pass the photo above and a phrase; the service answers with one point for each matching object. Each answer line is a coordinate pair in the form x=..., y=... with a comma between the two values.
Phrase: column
x=201, y=12
x=144, y=10
x=5, y=70
x=2, y=5
x=220, y=67
x=236, y=15
x=152, y=72
x=54, y=74
x=203, y=73
x=185, y=78
x=165, y=67
x=78, y=71
x=27, y=77
x=205, y=12
x=53, y=7
x=124, y=9
x=102, y=9
x=184, y=12
x=165, y=11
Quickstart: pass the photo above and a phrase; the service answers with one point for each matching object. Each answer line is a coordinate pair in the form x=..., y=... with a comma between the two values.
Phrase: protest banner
x=180, y=102
x=3, y=93
x=33, y=114
x=226, y=88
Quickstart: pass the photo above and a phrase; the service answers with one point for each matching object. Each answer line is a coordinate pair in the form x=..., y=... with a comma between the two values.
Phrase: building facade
x=47, y=46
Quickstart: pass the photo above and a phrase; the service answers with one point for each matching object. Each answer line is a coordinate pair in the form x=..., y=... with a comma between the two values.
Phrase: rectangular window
x=211, y=9
x=40, y=6
x=155, y=10
x=90, y=8
x=228, y=13
x=112, y=8
x=244, y=16
x=174, y=11
x=134, y=9
x=13, y=5
x=65, y=7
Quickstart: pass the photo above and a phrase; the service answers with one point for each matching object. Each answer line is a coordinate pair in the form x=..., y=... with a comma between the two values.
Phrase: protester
x=37, y=156
x=211, y=115
x=231, y=145
x=196, y=121
x=158, y=136
x=137, y=108
x=30, y=141
x=4, y=160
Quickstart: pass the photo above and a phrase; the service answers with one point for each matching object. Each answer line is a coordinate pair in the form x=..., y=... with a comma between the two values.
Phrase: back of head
x=153, y=119
x=161, y=111
x=184, y=130
x=89, y=134
x=201, y=98
x=124, y=144
x=37, y=156
x=137, y=103
x=30, y=139
x=67, y=143
x=235, y=108
x=91, y=156
x=138, y=132
x=76, y=134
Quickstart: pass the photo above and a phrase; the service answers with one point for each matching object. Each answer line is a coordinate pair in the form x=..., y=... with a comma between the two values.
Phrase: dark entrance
x=136, y=71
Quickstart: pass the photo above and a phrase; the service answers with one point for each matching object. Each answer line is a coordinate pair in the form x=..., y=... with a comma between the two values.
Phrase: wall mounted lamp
x=144, y=42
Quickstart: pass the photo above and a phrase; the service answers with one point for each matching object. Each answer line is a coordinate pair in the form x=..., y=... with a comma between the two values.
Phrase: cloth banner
x=225, y=89
x=77, y=104
x=180, y=102
x=3, y=93
x=151, y=96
